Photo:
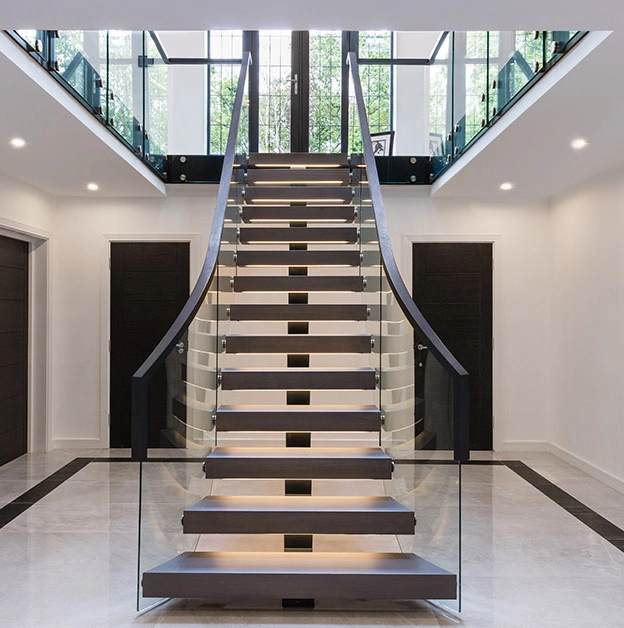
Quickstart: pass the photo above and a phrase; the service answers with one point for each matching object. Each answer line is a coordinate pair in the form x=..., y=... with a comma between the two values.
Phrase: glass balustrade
x=167, y=92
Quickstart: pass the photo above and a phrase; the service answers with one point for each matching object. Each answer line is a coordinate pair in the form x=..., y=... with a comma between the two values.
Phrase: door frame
x=406, y=267
x=196, y=261
x=39, y=398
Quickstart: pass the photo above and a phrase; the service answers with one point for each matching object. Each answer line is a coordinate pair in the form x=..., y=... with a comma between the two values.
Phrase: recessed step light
x=93, y=187
x=506, y=186
x=17, y=142
x=579, y=143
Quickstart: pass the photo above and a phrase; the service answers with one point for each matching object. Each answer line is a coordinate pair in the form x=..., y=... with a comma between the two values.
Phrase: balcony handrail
x=435, y=345
x=141, y=378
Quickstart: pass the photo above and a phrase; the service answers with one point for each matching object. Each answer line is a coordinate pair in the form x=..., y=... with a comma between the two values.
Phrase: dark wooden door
x=149, y=286
x=13, y=348
x=452, y=286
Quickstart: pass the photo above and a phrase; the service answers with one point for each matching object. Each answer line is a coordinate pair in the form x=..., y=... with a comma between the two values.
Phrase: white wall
x=588, y=328
x=83, y=229
x=26, y=214
x=521, y=237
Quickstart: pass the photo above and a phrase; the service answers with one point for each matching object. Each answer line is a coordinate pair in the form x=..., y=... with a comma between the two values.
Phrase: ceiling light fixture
x=17, y=142
x=506, y=186
x=579, y=143
x=93, y=187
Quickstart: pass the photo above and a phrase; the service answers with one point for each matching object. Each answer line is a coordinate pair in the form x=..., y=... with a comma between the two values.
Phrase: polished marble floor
x=69, y=560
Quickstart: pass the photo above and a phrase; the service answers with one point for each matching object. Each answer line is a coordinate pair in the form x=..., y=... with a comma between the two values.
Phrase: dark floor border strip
x=471, y=463
x=607, y=530
x=39, y=491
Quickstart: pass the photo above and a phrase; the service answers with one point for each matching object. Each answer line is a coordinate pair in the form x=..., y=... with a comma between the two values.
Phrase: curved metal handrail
x=457, y=372
x=191, y=307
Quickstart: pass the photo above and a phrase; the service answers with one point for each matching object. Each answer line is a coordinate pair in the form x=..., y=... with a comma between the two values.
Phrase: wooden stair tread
x=299, y=283
x=308, y=193
x=298, y=379
x=297, y=258
x=298, y=514
x=299, y=462
x=280, y=418
x=308, y=213
x=298, y=312
x=299, y=575
x=298, y=176
x=249, y=235
x=298, y=343
x=316, y=409
x=282, y=160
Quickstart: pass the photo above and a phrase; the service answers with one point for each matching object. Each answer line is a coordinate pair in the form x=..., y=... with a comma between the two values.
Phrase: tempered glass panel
x=514, y=58
x=440, y=108
x=556, y=42
x=157, y=122
x=81, y=57
x=30, y=37
x=325, y=91
x=274, y=91
x=432, y=489
x=415, y=395
x=193, y=394
x=125, y=85
x=470, y=85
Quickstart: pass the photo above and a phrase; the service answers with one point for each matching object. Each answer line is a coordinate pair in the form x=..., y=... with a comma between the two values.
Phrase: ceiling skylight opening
x=579, y=143
x=17, y=142
x=507, y=186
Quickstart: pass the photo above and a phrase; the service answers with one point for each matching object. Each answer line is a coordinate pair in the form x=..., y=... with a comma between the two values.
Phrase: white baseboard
x=591, y=469
x=525, y=445
x=76, y=443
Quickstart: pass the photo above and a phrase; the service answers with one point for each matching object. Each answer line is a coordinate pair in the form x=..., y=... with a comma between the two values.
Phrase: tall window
x=325, y=91
x=223, y=80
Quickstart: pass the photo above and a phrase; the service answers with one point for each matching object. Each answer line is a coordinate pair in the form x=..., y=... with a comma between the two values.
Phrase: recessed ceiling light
x=506, y=186
x=579, y=143
x=94, y=187
x=17, y=142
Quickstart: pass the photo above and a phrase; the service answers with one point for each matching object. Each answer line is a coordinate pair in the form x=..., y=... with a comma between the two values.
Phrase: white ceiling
x=533, y=152
x=66, y=146
x=423, y=15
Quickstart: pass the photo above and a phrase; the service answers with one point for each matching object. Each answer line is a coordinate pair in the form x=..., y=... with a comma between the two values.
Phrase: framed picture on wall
x=382, y=143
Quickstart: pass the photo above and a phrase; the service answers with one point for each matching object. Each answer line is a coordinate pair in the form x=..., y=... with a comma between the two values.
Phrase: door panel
x=452, y=286
x=149, y=287
x=13, y=348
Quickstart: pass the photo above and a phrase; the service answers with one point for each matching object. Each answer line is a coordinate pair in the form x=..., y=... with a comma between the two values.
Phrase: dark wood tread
x=299, y=575
x=310, y=160
x=298, y=343
x=297, y=258
x=299, y=283
x=307, y=419
x=319, y=194
x=298, y=379
x=347, y=235
x=298, y=176
x=295, y=514
x=299, y=463
x=298, y=312
x=307, y=213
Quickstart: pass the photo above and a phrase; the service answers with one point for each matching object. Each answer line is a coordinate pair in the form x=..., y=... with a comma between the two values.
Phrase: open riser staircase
x=298, y=379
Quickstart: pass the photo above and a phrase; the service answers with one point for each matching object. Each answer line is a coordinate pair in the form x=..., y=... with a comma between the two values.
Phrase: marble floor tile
x=70, y=560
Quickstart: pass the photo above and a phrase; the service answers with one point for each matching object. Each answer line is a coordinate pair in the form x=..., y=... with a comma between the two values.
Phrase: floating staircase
x=298, y=237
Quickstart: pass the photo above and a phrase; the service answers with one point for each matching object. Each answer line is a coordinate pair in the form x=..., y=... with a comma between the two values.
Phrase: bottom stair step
x=217, y=575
